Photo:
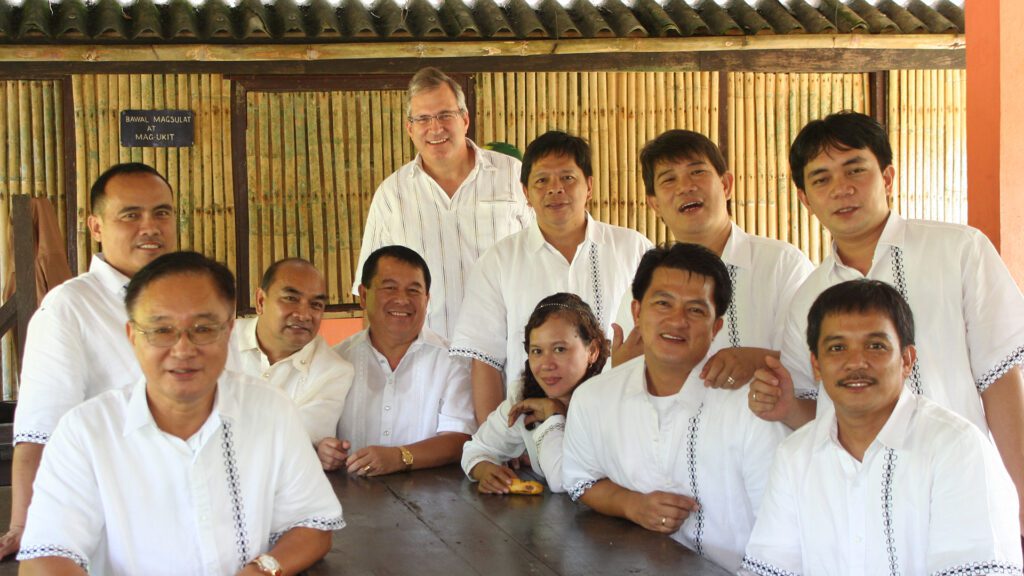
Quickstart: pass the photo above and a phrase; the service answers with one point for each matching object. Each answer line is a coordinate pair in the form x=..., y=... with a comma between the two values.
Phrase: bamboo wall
x=200, y=175
x=766, y=111
x=617, y=112
x=928, y=131
x=314, y=160
x=31, y=162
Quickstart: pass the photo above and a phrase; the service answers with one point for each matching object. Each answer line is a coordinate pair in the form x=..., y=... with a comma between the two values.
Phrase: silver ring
x=663, y=519
x=366, y=468
x=754, y=396
x=730, y=380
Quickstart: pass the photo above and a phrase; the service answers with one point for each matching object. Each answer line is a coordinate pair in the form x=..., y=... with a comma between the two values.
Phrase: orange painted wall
x=334, y=330
x=995, y=126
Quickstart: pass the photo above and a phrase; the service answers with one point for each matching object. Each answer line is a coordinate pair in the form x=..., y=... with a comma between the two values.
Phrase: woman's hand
x=536, y=410
x=493, y=479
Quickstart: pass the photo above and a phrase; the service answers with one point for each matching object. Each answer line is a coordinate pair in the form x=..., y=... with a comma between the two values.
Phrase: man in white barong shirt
x=888, y=482
x=192, y=470
x=969, y=311
x=451, y=203
x=410, y=404
x=281, y=346
x=689, y=186
x=76, y=346
x=647, y=441
x=564, y=250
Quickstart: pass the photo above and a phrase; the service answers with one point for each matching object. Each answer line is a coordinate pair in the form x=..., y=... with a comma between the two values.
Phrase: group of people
x=678, y=387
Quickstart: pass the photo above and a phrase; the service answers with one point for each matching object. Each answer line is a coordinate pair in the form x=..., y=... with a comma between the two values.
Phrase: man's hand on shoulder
x=731, y=368
x=625, y=348
x=771, y=396
x=332, y=453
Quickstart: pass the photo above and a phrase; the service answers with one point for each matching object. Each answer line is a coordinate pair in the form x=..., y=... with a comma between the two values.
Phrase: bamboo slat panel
x=31, y=162
x=314, y=160
x=200, y=175
x=927, y=125
x=765, y=113
x=618, y=112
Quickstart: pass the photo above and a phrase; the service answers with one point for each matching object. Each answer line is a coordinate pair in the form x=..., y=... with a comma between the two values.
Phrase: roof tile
x=269, y=21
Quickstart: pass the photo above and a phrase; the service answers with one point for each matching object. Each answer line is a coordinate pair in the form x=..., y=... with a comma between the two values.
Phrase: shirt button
x=303, y=362
x=387, y=432
x=858, y=540
x=386, y=408
x=266, y=374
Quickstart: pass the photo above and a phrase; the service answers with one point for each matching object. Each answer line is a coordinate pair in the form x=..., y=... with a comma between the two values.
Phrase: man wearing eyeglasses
x=280, y=345
x=76, y=346
x=238, y=493
x=451, y=203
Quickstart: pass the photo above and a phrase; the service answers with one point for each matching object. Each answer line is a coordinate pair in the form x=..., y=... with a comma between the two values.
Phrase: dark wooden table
x=433, y=522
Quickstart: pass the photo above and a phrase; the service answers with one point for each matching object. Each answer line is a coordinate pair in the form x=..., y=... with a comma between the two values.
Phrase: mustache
x=857, y=376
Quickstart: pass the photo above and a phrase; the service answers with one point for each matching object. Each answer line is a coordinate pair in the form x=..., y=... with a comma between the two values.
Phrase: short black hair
x=577, y=312
x=398, y=252
x=556, y=143
x=176, y=263
x=692, y=258
x=676, y=146
x=857, y=297
x=98, y=193
x=271, y=271
x=844, y=131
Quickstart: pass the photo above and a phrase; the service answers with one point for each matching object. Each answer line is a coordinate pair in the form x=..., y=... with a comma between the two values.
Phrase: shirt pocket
x=494, y=220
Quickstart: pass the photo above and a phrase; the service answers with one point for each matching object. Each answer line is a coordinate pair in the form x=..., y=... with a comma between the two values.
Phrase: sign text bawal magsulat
x=157, y=128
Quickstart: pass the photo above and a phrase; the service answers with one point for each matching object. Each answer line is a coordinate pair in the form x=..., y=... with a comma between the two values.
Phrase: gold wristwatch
x=406, y=457
x=268, y=564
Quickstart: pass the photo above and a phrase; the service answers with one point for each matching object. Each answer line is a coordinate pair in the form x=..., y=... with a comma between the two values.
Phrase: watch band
x=407, y=458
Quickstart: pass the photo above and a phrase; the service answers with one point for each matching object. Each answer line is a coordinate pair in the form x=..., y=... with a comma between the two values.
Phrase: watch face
x=268, y=564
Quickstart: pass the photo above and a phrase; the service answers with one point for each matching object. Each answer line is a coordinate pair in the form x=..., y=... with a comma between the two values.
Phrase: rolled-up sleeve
x=456, y=410
x=483, y=322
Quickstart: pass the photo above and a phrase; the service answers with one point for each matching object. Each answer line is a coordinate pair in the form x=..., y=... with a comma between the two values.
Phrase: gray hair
x=431, y=78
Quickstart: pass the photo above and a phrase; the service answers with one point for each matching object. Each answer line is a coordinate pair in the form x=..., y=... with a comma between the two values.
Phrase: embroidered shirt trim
x=50, y=550
x=762, y=568
x=476, y=355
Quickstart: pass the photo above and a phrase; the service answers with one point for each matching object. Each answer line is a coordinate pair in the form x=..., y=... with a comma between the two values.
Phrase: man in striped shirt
x=451, y=203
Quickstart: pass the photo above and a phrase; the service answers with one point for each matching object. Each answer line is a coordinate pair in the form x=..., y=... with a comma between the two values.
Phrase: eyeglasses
x=167, y=336
x=443, y=117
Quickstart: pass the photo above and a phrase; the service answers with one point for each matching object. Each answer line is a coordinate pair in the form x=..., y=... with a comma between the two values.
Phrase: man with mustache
x=451, y=203
x=76, y=346
x=564, y=250
x=410, y=404
x=281, y=346
x=889, y=482
x=969, y=310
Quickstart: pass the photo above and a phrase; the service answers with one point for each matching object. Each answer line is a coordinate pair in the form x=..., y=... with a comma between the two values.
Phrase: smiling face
x=135, y=222
x=677, y=319
x=290, y=310
x=848, y=192
x=183, y=374
x=860, y=363
x=690, y=197
x=558, y=192
x=437, y=141
x=395, y=302
x=558, y=357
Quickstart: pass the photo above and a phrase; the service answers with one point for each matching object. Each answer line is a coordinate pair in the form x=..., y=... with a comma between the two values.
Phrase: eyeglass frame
x=189, y=332
x=426, y=119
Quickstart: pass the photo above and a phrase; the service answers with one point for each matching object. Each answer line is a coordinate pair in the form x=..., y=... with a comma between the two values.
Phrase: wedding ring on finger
x=753, y=396
x=730, y=381
x=663, y=520
x=366, y=469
